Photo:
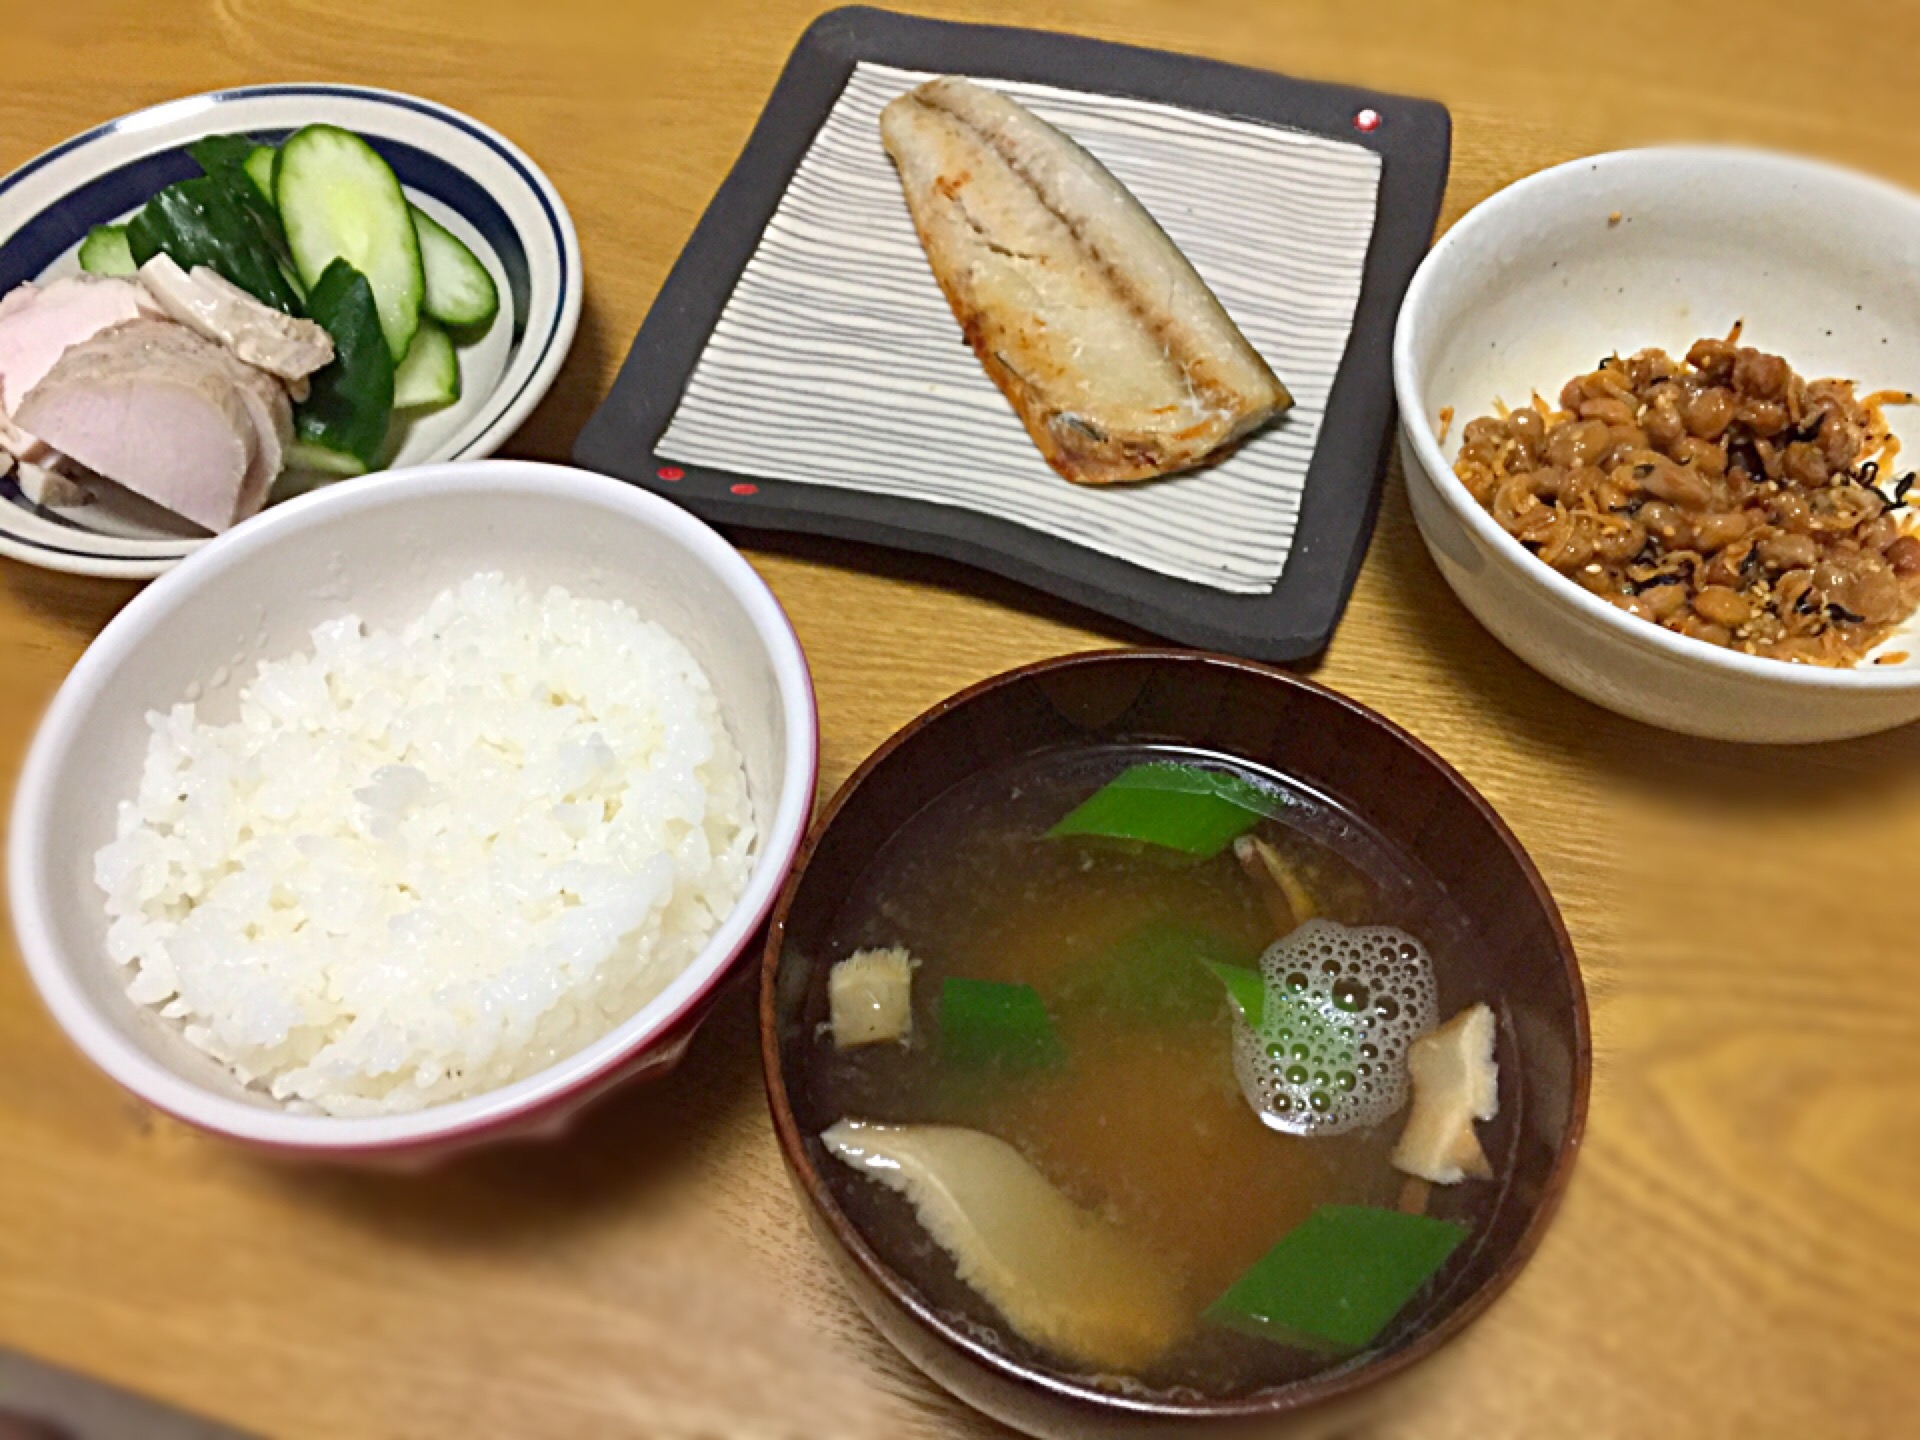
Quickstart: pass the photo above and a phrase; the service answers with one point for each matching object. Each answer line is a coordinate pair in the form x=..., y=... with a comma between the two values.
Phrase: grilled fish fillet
x=1118, y=359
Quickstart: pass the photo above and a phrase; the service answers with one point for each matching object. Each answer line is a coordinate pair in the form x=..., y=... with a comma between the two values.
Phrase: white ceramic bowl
x=470, y=178
x=1538, y=283
x=381, y=548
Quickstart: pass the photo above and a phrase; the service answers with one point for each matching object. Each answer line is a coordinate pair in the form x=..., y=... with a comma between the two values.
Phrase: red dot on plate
x=671, y=472
x=1367, y=121
x=744, y=489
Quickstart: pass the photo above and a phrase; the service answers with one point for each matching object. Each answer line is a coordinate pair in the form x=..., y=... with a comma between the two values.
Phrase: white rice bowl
x=428, y=862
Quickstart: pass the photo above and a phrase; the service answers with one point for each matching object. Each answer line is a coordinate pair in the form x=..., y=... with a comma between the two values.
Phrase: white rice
x=426, y=862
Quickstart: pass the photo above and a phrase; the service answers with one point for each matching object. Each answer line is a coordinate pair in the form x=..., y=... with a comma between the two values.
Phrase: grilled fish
x=1115, y=354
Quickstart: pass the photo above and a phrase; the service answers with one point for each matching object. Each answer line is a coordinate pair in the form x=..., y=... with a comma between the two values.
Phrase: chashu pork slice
x=271, y=410
x=39, y=324
x=211, y=305
x=1120, y=361
x=169, y=415
x=50, y=482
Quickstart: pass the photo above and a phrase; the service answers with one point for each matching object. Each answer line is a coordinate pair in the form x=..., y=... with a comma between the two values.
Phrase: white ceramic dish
x=471, y=179
x=1538, y=283
x=381, y=548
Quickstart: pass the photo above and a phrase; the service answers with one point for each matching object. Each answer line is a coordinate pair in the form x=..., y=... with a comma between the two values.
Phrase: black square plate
x=1294, y=619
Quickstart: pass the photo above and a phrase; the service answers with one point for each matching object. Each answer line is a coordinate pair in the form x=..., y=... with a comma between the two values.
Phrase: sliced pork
x=268, y=408
x=168, y=414
x=18, y=298
x=39, y=323
x=211, y=305
x=49, y=483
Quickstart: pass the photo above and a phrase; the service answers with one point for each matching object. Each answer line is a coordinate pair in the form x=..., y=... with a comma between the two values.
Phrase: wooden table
x=1740, y=1253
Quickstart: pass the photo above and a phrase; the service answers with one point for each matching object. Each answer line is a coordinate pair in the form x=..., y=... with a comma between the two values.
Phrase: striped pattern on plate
x=837, y=362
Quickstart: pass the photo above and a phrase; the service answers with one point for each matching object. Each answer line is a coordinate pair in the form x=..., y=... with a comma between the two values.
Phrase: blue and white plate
x=472, y=180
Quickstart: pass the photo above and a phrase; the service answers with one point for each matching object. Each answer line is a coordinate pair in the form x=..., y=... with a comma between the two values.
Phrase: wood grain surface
x=1740, y=1253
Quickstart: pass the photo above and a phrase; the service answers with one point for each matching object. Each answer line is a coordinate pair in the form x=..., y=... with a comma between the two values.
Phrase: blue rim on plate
x=468, y=176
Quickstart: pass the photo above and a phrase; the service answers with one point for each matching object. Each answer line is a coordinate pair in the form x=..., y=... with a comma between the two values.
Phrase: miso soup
x=1079, y=984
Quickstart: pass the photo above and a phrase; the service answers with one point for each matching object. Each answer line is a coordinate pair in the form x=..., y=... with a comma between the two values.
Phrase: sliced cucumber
x=430, y=375
x=259, y=168
x=459, y=289
x=217, y=221
x=351, y=402
x=315, y=458
x=105, y=252
x=340, y=201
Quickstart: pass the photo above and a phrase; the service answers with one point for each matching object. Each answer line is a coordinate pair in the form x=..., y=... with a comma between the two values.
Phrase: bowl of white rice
x=416, y=813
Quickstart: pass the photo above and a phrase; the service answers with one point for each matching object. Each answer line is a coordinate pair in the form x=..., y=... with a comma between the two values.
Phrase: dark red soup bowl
x=1521, y=963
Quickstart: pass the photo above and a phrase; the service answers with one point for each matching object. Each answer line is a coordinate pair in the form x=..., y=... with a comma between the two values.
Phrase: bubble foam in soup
x=1343, y=1002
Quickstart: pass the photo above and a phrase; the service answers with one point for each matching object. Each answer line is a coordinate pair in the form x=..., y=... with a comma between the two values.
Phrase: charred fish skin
x=1118, y=359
